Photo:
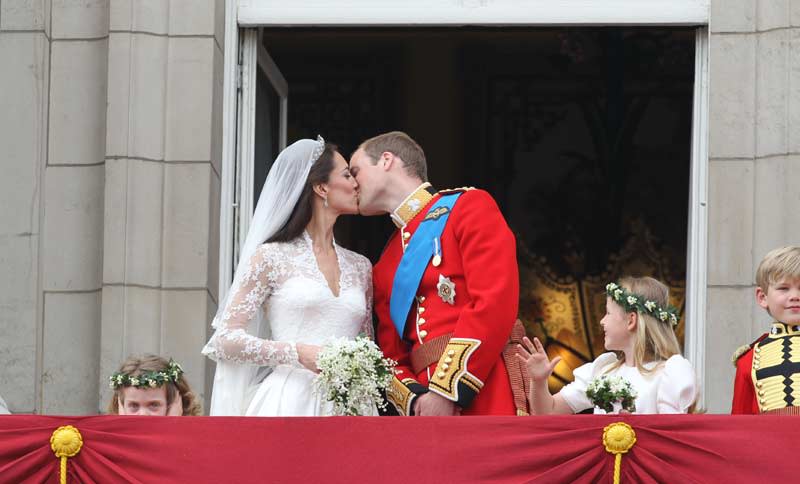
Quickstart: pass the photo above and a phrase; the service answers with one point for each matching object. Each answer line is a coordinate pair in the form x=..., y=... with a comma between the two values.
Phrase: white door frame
x=413, y=13
x=242, y=57
x=230, y=103
x=697, y=242
x=410, y=13
x=254, y=57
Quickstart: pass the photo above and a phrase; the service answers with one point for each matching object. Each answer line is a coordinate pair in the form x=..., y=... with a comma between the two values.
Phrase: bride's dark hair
x=320, y=172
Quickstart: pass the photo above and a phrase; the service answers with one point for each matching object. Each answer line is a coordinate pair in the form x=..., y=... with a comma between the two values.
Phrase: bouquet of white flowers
x=352, y=374
x=612, y=394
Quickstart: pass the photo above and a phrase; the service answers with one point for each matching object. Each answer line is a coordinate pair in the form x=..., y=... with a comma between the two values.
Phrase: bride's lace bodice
x=284, y=280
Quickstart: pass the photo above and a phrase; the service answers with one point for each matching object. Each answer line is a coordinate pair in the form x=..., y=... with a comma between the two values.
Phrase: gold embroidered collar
x=412, y=205
x=782, y=329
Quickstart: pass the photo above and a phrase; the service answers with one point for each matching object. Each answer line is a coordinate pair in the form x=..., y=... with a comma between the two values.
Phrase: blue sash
x=415, y=260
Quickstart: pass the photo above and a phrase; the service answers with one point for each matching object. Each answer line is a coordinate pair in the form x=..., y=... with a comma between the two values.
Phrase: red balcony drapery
x=679, y=448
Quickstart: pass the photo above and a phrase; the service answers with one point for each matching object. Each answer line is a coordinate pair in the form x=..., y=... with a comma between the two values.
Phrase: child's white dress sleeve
x=575, y=393
x=677, y=388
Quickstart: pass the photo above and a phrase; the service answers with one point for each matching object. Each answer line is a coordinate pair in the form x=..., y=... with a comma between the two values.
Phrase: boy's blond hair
x=778, y=265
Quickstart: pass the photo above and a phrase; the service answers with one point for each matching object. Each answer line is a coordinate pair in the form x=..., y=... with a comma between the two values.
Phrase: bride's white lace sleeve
x=232, y=341
x=366, y=325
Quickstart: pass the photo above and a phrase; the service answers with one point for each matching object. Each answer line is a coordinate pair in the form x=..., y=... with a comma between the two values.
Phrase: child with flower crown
x=150, y=385
x=643, y=352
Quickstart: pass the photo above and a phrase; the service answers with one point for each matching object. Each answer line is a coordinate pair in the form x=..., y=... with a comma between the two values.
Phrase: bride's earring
x=325, y=201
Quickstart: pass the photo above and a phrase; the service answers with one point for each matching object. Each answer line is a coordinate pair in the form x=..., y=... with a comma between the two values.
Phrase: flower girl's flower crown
x=149, y=379
x=636, y=303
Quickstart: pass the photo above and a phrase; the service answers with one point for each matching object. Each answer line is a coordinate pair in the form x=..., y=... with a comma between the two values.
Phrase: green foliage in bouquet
x=603, y=392
x=353, y=373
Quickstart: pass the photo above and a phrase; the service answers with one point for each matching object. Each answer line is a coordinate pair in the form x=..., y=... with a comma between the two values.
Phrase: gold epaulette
x=448, y=191
x=739, y=352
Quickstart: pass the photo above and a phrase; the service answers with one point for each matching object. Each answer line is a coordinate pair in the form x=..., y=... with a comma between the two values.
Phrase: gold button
x=448, y=360
x=762, y=401
x=761, y=393
x=759, y=384
x=422, y=299
x=421, y=320
x=406, y=235
x=758, y=349
x=441, y=374
x=445, y=366
x=421, y=310
x=451, y=352
x=423, y=333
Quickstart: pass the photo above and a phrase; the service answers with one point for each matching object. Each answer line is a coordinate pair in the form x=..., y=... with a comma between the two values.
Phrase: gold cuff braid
x=452, y=369
x=400, y=396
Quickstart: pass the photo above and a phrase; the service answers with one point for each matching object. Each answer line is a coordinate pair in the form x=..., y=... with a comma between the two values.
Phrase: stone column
x=754, y=169
x=54, y=56
x=161, y=191
x=25, y=78
x=72, y=242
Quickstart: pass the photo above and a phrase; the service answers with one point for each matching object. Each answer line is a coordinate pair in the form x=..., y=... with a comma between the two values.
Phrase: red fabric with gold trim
x=479, y=257
x=557, y=449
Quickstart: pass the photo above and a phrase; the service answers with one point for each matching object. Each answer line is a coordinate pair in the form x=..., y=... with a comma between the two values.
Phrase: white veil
x=282, y=189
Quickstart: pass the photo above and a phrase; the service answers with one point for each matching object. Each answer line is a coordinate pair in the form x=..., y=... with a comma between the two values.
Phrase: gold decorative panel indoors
x=564, y=311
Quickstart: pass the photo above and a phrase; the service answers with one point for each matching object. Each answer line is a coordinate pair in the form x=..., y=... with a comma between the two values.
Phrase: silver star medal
x=414, y=204
x=447, y=290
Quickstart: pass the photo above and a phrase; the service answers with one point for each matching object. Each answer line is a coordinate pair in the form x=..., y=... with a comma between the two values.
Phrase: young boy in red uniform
x=768, y=370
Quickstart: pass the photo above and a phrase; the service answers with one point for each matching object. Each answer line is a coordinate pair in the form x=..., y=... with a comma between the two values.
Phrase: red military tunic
x=478, y=260
x=744, y=394
x=768, y=373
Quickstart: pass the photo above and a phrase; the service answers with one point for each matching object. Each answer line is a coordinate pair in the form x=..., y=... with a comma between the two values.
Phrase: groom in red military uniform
x=446, y=288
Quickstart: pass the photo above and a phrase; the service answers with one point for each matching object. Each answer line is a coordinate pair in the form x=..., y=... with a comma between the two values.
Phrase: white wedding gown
x=284, y=280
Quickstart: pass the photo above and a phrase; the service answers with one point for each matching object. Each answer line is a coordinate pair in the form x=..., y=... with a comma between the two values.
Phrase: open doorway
x=582, y=135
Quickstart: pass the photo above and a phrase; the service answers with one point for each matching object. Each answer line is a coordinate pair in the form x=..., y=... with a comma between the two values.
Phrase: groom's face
x=369, y=177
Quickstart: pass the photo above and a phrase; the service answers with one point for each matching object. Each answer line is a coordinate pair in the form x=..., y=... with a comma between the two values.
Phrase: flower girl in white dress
x=638, y=327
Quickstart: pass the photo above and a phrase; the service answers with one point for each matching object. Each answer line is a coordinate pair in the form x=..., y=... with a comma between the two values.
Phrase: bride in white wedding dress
x=294, y=289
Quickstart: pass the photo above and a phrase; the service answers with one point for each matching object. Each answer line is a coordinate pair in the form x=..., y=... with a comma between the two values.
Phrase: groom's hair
x=401, y=145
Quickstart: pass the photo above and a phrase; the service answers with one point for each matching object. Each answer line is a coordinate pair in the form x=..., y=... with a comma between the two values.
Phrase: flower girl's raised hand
x=533, y=355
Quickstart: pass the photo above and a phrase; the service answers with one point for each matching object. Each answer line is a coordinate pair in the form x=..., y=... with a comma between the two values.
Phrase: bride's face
x=342, y=187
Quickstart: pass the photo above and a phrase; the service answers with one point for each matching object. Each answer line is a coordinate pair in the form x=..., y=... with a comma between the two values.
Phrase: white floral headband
x=149, y=379
x=637, y=304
